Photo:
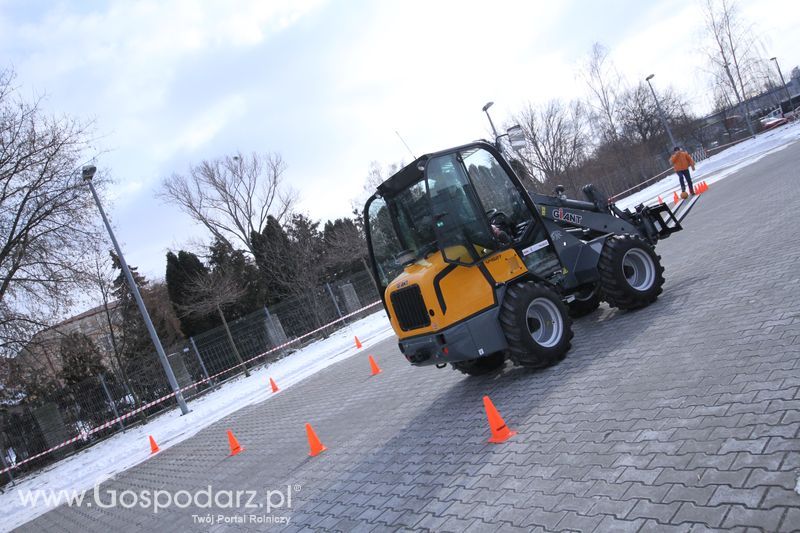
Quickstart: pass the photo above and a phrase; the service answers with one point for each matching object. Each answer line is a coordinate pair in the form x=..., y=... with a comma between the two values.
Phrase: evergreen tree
x=224, y=259
x=345, y=247
x=136, y=347
x=133, y=338
x=181, y=270
x=271, y=249
x=307, y=254
x=81, y=364
x=80, y=359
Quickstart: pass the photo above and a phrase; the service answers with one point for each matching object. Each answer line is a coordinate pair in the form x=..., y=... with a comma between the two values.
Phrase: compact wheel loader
x=473, y=269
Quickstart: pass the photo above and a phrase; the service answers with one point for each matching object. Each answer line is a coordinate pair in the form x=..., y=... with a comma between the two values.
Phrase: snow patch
x=125, y=450
x=719, y=166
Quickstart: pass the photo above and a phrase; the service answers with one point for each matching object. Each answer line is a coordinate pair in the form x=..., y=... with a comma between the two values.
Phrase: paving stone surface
x=682, y=416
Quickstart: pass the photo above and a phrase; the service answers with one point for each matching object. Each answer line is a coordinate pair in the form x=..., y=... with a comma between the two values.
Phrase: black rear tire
x=585, y=302
x=481, y=366
x=631, y=275
x=536, y=325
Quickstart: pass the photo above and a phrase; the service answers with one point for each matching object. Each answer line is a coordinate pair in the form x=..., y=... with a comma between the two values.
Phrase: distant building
x=776, y=97
x=42, y=355
x=729, y=125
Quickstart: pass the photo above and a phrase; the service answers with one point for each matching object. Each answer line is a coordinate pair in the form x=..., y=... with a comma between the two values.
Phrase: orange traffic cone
x=675, y=198
x=358, y=343
x=273, y=385
x=660, y=201
x=315, y=445
x=374, y=366
x=500, y=431
x=153, y=446
x=705, y=186
x=234, y=444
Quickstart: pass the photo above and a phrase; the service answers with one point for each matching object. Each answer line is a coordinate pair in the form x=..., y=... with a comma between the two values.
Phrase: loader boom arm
x=651, y=223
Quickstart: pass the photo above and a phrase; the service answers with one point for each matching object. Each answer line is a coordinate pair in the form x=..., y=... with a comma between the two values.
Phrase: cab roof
x=405, y=177
x=415, y=171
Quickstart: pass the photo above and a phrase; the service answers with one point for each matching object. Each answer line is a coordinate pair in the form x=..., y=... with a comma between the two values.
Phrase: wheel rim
x=545, y=323
x=639, y=269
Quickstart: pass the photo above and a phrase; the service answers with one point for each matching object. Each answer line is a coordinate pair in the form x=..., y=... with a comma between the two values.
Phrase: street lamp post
x=661, y=112
x=785, y=87
x=486, y=110
x=88, y=174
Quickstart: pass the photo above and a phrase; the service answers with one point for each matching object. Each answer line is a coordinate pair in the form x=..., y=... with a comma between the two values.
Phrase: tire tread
x=519, y=352
x=613, y=292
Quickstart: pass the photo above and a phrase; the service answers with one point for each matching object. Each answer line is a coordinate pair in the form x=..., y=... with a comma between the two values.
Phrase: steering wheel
x=427, y=249
x=499, y=220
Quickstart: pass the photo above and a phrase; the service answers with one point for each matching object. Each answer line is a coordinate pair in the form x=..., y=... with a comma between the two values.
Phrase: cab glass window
x=461, y=225
x=502, y=200
x=400, y=230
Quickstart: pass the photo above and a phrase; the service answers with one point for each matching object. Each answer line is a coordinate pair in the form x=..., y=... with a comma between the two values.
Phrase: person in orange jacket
x=681, y=161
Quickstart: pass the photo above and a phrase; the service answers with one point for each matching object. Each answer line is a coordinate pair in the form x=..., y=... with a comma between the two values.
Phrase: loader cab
x=466, y=204
x=476, y=209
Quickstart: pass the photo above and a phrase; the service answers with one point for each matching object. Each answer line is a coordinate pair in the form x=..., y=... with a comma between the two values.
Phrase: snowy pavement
x=719, y=166
x=681, y=416
x=125, y=450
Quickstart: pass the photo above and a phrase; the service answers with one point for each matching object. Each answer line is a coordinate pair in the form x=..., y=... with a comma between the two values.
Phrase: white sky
x=327, y=84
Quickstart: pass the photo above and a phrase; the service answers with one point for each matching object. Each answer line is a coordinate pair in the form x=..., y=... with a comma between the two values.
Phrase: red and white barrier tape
x=104, y=425
x=619, y=194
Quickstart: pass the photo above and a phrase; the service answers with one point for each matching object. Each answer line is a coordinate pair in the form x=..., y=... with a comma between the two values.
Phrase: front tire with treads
x=536, y=325
x=631, y=275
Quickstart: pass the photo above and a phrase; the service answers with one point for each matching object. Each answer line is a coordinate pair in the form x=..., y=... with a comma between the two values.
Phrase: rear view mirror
x=516, y=137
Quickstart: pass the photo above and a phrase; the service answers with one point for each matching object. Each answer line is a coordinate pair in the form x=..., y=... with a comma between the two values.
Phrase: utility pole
x=785, y=87
x=486, y=110
x=661, y=113
x=88, y=174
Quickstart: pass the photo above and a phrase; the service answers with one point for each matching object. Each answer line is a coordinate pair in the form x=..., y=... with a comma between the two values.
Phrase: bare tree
x=46, y=215
x=9, y=388
x=212, y=292
x=233, y=196
x=101, y=284
x=377, y=174
x=733, y=53
x=638, y=117
x=556, y=139
x=604, y=84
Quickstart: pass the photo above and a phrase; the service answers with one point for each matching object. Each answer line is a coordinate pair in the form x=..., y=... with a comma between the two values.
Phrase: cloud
x=425, y=69
x=203, y=129
x=170, y=83
x=120, y=64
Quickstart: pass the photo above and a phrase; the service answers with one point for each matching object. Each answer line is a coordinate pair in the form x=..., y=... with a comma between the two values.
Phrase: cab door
x=479, y=210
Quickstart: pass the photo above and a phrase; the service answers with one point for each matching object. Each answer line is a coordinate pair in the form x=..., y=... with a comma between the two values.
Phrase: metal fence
x=80, y=415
